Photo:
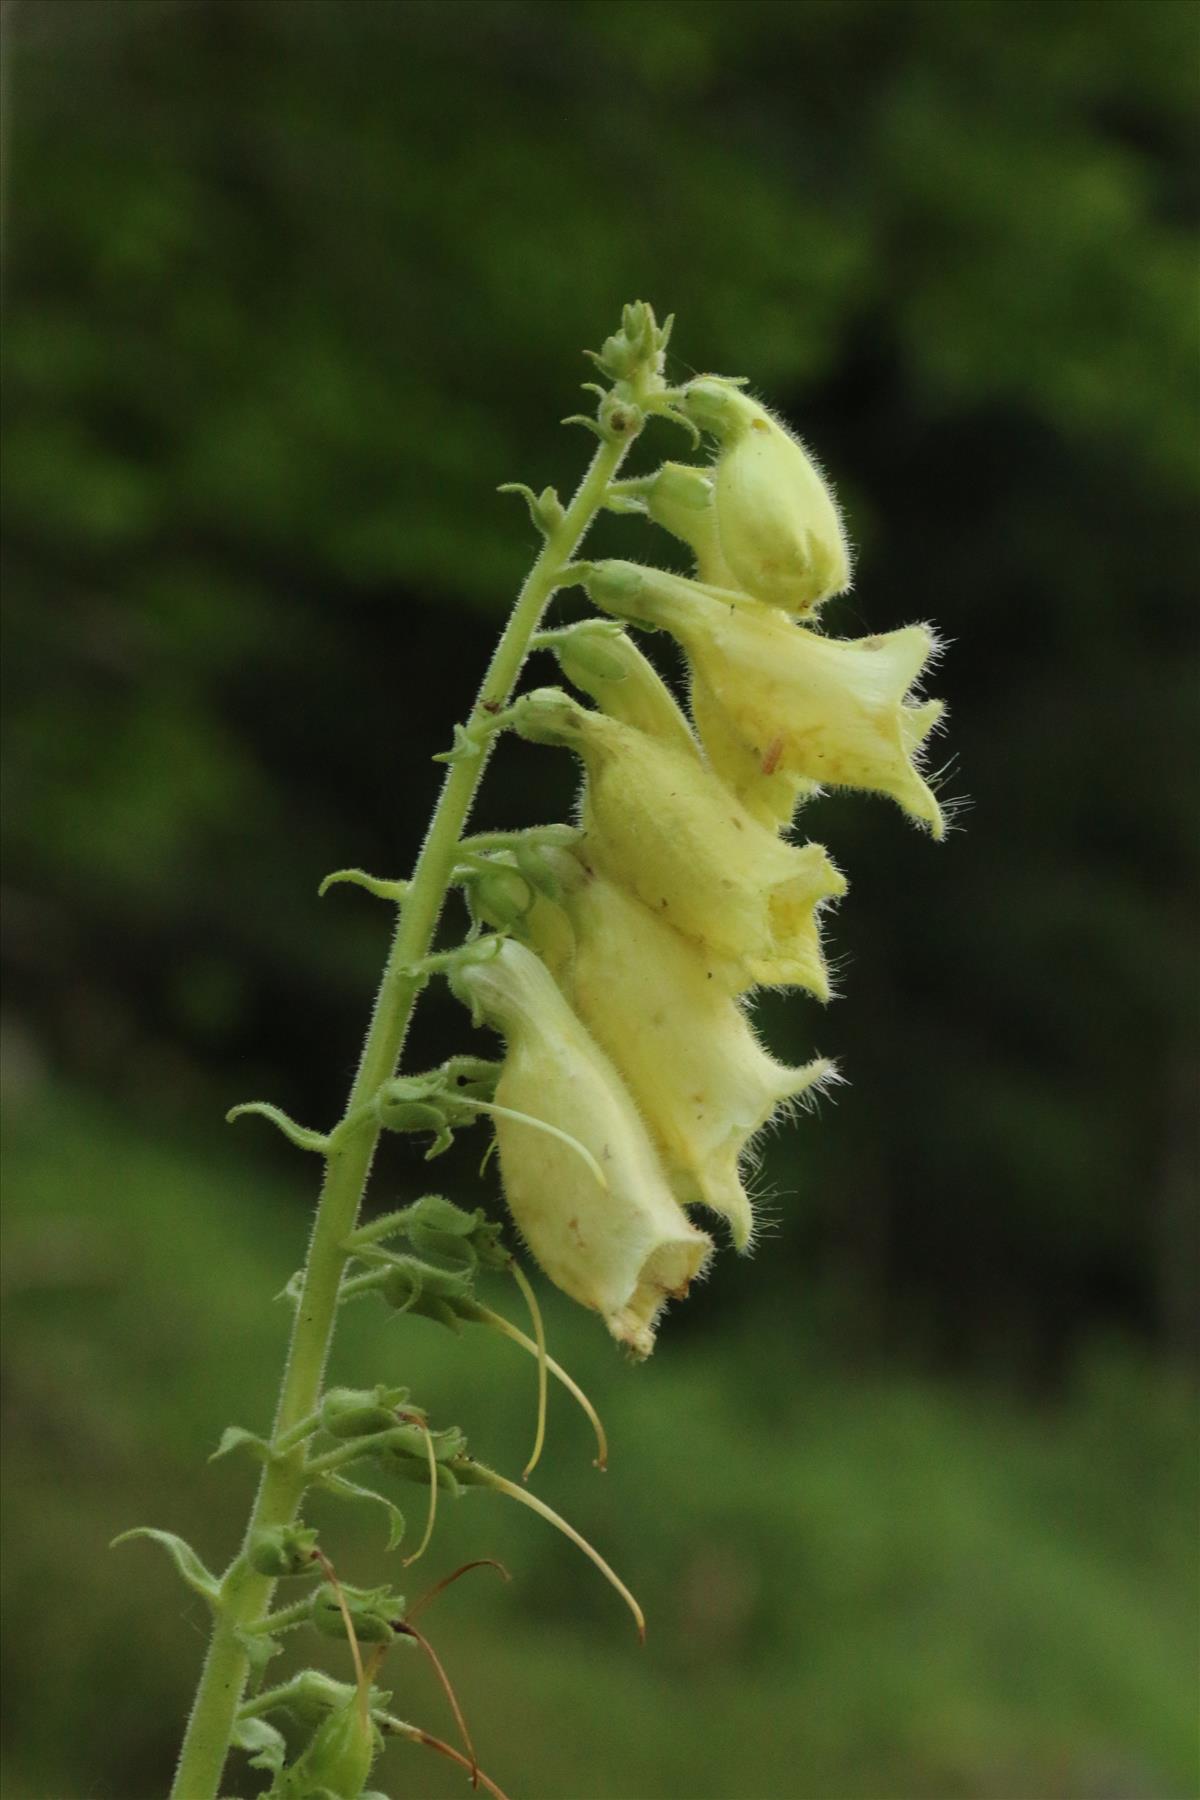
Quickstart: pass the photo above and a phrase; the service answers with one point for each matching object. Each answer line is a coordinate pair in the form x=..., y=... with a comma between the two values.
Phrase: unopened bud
x=779, y=531
x=621, y=681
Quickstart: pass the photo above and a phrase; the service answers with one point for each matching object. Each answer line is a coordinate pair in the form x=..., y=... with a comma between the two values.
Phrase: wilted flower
x=620, y=1244
x=668, y=830
x=700, y=1078
x=793, y=701
x=778, y=529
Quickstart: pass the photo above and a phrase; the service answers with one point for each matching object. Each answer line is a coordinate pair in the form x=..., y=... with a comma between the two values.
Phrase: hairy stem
x=244, y=1593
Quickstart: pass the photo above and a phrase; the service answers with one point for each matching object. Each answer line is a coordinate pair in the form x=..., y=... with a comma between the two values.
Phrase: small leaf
x=189, y=1565
x=268, y=1745
x=236, y=1437
x=379, y=885
x=292, y=1288
x=464, y=749
x=350, y=1490
x=300, y=1135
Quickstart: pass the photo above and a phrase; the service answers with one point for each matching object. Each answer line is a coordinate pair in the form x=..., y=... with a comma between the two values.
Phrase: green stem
x=245, y=1594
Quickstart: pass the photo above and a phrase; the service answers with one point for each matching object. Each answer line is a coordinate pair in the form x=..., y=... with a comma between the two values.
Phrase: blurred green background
x=910, y=1497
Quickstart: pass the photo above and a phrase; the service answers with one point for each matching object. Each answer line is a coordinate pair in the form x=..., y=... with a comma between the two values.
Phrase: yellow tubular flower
x=622, y=1246
x=778, y=528
x=773, y=696
x=770, y=793
x=700, y=1078
x=668, y=830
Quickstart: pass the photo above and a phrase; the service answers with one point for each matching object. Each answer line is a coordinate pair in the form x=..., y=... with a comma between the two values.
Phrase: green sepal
x=376, y=1612
x=439, y=1228
x=357, y=1412
x=283, y=1550
x=414, y=1286
x=411, y=1463
x=308, y=1697
x=201, y=1580
x=267, y=1744
x=300, y=1135
x=236, y=1437
x=350, y=1490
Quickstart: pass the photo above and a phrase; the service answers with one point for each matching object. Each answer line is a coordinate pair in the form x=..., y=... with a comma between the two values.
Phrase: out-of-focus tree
x=291, y=288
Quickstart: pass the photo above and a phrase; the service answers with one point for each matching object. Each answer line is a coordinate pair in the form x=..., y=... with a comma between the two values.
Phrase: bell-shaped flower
x=686, y=1051
x=778, y=529
x=668, y=830
x=588, y=1194
x=778, y=697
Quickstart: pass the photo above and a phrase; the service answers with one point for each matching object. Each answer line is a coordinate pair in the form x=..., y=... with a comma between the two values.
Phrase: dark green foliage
x=291, y=287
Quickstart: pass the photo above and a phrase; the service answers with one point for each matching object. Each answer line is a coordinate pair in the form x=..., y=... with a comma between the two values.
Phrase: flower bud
x=777, y=697
x=622, y=1246
x=669, y=831
x=699, y=1077
x=778, y=528
x=623, y=683
x=680, y=499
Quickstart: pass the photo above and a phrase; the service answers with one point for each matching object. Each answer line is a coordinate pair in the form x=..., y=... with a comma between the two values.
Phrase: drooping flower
x=782, y=698
x=686, y=1051
x=778, y=529
x=668, y=830
x=597, y=1212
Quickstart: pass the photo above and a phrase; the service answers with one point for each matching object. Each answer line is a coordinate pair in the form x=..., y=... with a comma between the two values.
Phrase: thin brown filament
x=504, y=1486
x=539, y=1333
x=400, y=1728
x=507, y=1329
x=411, y=1631
x=336, y=1585
x=439, y=1587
